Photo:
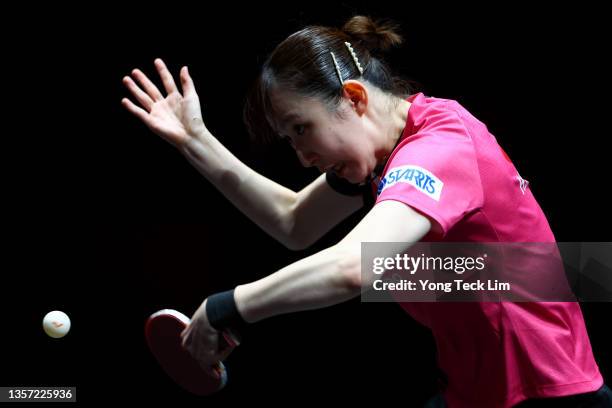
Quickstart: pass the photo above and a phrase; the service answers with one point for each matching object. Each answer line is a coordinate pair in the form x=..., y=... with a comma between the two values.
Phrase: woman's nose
x=307, y=159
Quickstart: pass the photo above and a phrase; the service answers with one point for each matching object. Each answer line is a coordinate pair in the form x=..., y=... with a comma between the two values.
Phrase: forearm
x=326, y=278
x=264, y=201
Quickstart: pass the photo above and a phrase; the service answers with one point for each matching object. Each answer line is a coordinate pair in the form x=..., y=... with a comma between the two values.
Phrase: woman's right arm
x=294, y=219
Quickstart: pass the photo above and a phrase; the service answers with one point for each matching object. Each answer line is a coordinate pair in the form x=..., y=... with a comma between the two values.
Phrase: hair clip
x=337, y=68
x=350, y=48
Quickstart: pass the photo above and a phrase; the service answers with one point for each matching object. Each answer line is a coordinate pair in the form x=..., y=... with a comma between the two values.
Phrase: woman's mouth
x=336, y=168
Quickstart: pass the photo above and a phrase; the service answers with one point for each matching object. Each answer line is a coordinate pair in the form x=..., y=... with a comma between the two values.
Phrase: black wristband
x=342, y=186
x=222, y=312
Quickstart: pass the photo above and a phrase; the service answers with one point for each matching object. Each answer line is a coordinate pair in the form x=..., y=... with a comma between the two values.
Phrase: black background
x=107, y=222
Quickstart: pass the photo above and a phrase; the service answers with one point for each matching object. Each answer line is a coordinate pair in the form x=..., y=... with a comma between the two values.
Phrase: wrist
x=196, y=142
x=222, y=313
x=241, y=296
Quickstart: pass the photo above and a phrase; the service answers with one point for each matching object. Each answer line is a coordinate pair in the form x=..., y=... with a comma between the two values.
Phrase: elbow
x=294, y=245
x=298, y=242
x=294, y=237
x=289, y=236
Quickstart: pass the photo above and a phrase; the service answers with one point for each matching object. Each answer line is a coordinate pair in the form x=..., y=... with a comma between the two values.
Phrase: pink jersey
x=450, y=168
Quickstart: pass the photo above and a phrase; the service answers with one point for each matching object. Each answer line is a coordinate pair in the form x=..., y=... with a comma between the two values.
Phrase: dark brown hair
x=302, y=63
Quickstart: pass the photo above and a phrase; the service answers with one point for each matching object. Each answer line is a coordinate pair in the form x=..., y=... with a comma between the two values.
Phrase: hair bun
x=374, y=35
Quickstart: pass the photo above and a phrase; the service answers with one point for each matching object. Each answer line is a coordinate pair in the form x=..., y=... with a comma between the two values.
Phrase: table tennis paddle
x=163, y=333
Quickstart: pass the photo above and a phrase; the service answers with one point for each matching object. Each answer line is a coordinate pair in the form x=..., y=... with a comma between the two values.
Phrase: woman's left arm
x=328, y=277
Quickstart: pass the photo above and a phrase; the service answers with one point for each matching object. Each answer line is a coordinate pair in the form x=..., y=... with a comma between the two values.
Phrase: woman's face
x=323, y=139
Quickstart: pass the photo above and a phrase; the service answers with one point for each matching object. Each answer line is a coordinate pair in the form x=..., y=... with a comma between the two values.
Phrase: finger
x=214, y=370
x=166, y=76
x=147, y=85
x=144, y=99
x=186, y=82
x=186, y=337
x=231, y=337
x=224, y=353
x=135, y=110
x=218, y=369
x=226, y=345
x=202, y=353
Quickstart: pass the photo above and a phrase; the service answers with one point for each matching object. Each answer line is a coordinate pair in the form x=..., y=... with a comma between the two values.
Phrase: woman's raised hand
x=176, y=117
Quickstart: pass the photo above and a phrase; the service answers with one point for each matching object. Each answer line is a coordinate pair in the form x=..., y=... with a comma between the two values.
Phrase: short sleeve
x=436, y=173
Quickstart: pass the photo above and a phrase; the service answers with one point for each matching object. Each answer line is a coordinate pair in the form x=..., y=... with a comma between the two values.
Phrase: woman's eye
x=287, y=139
x=299, y=129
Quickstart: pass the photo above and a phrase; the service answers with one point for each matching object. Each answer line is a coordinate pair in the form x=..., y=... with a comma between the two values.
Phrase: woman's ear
x=357, y=94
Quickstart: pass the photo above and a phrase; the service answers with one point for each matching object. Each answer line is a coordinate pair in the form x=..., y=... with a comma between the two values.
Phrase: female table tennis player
x=328, y=92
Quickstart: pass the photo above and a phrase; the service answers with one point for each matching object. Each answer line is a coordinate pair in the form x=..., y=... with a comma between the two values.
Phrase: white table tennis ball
x=56, y=324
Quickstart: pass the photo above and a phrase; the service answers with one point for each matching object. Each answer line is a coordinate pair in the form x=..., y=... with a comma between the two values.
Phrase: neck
x=394, y=127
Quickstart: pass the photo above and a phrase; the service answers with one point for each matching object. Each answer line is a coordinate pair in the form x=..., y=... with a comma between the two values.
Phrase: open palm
x=176, y=117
